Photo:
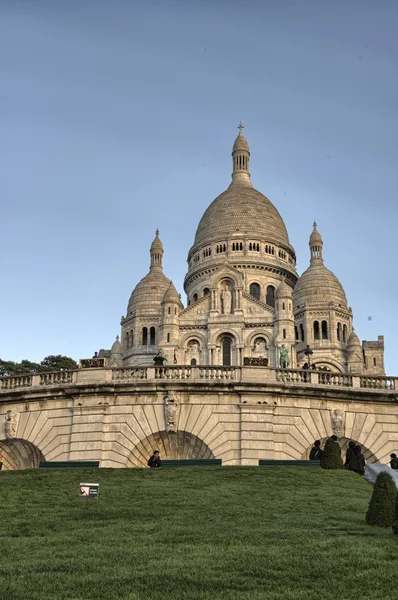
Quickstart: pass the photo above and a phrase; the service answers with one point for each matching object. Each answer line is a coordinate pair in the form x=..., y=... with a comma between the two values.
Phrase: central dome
x=241, y=209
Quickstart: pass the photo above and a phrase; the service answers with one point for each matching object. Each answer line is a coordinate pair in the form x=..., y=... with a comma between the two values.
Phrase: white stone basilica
x=245, y=300
x=260, y=363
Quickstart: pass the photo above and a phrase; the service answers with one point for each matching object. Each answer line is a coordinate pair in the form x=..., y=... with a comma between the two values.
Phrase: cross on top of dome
x=240, y=127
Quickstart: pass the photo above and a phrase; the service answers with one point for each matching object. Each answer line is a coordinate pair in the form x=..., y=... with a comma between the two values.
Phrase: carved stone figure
x=226, y=298
x=337, y=419
x=11, y=425
x=260, y=345
x=171, y=409
x=284, y=357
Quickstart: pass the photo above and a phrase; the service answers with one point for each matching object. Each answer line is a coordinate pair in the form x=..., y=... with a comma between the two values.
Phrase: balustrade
x=129, y=374
x=328, y=378
x=293, y=376
x=217, y=372
x=57, y=378
x=173, y=372
x=378, y=383
x=12, y=383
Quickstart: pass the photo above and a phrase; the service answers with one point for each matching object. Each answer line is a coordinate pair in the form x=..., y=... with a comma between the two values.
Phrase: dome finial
x=156, y=253
x=316, y=244
x=240, y=159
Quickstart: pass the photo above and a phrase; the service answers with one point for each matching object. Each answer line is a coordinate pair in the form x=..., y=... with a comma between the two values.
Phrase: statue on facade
x=11, y=425
x=284, y=357
x=171, y=409
x=337, y=422
x=260, y=345
x=226, y=298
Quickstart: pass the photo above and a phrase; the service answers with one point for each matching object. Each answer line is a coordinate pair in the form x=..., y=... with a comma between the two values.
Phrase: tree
x=331, y=458
x=58, y=363
x=26, y=367
x=381, y=509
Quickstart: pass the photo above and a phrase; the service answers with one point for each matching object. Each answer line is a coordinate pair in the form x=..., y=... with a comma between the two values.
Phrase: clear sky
x=118, y=117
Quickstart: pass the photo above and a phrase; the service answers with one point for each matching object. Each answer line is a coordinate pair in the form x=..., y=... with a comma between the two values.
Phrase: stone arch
x=260, y=332
x=19, y=454
x=327, y=362
x=235, y=277
x=181, y=445
x=370, y=457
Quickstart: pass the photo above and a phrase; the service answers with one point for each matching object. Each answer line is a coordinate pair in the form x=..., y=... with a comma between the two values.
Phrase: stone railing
x=129, y=374
x=219, y=373
x=13, y=383
x=173, y=372
x=379, y=383
x=199, y=374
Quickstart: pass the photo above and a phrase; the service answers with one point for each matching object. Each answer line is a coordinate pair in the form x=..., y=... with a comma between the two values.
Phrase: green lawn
x=200, y=533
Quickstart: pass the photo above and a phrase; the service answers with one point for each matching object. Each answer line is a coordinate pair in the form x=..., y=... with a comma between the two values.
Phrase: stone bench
x=69, y=464
x=289, y=463
x=192, y=462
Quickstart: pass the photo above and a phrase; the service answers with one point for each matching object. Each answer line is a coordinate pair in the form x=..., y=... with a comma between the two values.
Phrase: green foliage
x=230, y=533
x=395, y=524
x=381, y=509
x=331, y=458
x=26, y=367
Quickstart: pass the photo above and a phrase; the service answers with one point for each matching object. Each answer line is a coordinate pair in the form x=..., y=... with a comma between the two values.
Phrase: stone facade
x=259, y=363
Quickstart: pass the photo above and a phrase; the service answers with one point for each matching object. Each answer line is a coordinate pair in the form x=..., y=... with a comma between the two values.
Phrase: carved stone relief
x=337, y=419
x=171, y=411
x=11, y=425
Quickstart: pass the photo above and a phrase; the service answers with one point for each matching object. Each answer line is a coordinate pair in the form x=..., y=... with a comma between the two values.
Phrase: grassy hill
x=205, y=533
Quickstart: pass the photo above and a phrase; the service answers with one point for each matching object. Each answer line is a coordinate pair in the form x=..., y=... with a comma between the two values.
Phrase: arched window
x=226, y=351
x=324, y=330
x=255, y=290
x=284, y=334
x=127, y=340
x=168, y=337
x=270, y=297
x=302, y=332
x=131, y=339
x=195, y=297
x=152, y=336
x=206, y=292
x=169, y=311
x=339, y=332
x=344, y=333
x=296, y=333
x=374, y=362
x=193, y=362
x=316, y=331
x=175, y=311
x=144, y=336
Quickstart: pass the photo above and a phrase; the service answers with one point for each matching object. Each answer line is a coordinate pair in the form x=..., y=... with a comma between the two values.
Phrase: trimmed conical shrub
x=395, y=524
x=331, y=458
x=381, y=509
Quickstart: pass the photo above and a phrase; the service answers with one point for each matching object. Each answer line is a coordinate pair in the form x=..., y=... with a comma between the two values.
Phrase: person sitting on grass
x=357, y=462
x=393, y=461
x=316, y=451
x=349, y=454
x=155, y=461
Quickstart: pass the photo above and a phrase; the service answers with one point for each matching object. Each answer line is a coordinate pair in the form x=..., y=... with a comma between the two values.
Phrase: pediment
x=226, y=271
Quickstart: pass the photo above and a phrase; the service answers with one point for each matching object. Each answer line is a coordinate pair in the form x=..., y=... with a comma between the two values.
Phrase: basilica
x=246, y=304
x=257, y=363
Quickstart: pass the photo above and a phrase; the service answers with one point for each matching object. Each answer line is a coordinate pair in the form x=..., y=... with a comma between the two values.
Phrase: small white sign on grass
x=88, y=490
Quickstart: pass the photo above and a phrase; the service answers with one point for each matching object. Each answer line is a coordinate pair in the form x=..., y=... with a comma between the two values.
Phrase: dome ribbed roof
x=353, y=340
x=283, y=290
x=149, y=292
x=317, y=285
x=116, y=347
x=171, y=294
x=241, y=209
x=241, y=143
x=156, y=244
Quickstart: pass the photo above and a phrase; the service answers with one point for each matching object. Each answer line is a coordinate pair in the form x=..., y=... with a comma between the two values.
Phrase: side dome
x=317, y=285
x=148, y=293
x=171, y=294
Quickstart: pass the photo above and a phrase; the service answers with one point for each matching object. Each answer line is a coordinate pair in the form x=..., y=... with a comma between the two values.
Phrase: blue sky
x=118, y=117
